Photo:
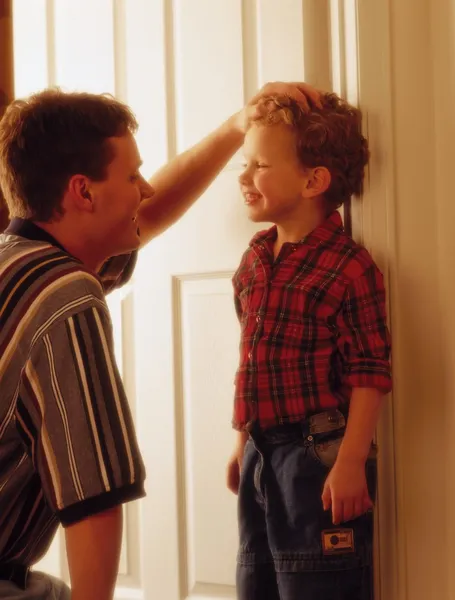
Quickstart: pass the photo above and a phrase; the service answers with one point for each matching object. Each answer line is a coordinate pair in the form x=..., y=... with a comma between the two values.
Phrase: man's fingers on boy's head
x=301, y=92
x=310, y=93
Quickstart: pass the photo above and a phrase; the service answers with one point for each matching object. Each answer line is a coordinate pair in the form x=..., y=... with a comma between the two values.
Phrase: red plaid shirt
x=313, y=326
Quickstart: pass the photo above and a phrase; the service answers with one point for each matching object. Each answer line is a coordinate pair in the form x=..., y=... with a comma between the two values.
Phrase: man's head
x=71, y=158
x=295, y=157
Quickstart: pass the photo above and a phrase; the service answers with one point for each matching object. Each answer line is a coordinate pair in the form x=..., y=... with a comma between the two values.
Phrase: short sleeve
x=117, y=271
x=73, y=414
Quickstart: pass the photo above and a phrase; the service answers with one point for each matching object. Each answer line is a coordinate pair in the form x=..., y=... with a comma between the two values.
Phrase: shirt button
x=258, y=319
x=250, y=355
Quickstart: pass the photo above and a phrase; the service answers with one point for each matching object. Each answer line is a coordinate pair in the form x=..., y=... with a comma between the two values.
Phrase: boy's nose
x=244, y=177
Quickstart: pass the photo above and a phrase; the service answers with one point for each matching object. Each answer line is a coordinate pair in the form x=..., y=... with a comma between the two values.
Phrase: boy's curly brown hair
x=330, y=137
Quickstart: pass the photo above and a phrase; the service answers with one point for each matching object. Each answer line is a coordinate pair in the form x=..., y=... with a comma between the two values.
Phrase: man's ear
x=80, y=193
x=317, y=182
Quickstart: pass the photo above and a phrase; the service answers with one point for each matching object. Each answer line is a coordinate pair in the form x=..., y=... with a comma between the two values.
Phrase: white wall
x=422, y=268
x=406, y=79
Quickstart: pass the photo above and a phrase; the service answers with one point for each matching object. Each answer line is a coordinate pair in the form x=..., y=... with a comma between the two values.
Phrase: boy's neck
x=295, y=229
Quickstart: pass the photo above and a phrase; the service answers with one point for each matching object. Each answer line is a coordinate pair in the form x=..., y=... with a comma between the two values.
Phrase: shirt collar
x=332, y=225
x=30, y=231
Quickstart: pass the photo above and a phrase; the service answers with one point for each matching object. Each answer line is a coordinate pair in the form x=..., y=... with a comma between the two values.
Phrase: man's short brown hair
x=330, y=137
x=48, y=138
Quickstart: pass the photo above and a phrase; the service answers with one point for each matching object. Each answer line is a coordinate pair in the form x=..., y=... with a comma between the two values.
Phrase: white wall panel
x=208, y=65
x=209, y=334
x=84, y=45
x=280, y=40
x=30, y=29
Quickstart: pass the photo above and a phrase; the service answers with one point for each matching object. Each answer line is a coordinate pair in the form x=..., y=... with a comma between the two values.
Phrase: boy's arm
x=181, y=182
x=345, y=490
x=365, y=345
x=364, y=411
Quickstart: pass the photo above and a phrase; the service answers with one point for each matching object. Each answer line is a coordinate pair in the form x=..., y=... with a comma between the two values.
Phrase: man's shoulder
x=43, y=276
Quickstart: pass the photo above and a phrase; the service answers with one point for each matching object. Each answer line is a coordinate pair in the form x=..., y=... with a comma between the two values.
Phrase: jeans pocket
x=326, y=452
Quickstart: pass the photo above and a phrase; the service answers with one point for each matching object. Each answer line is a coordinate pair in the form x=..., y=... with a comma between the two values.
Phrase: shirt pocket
x=304, y=335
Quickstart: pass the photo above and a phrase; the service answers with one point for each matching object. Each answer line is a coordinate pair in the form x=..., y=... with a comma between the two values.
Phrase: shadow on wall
x=6, y=77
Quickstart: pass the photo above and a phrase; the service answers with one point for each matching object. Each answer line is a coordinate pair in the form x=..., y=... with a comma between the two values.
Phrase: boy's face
x=273, y=182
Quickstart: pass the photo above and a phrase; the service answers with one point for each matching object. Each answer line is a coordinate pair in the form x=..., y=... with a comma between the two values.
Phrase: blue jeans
x=289, y=547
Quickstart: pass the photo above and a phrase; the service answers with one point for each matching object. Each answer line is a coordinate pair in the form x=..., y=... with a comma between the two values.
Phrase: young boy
x=314, y=362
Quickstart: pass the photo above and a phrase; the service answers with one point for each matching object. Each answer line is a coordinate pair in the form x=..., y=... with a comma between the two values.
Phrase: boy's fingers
x=233, y=477
x=367, y=503
x=359, y=507
x=326, y=498
x=348, y=510
x=337, y=511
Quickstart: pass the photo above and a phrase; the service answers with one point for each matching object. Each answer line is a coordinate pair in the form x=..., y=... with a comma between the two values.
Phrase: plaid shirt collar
x=333, y=225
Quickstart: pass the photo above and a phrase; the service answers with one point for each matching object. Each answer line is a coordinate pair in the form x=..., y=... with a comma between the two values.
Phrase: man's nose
x=146, y=189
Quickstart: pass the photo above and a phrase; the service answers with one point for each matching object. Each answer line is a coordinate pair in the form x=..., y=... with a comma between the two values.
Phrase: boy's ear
x=317, y=182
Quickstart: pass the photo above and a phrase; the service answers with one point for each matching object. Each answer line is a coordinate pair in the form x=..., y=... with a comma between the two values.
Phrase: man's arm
x=93, y=548
x=74, y=412
x=181, y=182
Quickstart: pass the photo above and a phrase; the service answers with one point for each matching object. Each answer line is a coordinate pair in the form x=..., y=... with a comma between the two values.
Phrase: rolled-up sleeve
x=74, y=416
x=364, y=339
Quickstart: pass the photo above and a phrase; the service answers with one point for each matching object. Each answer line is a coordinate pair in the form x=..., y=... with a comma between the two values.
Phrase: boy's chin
x=258, y=217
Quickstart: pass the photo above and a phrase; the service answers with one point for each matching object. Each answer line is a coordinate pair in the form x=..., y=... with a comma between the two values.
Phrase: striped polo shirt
x=68, y=447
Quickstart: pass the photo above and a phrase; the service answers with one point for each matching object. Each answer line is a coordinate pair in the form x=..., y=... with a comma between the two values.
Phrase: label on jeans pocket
x=337, y=541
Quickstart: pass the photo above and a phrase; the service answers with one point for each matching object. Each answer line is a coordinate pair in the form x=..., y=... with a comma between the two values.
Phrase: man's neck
x=75, y=247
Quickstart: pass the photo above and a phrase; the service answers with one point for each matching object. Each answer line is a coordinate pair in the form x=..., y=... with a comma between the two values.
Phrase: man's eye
x=134, y=178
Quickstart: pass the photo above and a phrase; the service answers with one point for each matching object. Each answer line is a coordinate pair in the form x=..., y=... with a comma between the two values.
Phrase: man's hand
x=304, y=94
x=181, y=182
x=346, y=491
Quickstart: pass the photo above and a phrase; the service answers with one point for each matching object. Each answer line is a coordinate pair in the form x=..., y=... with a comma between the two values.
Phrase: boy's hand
x=304, y=94
x=346, y=491
x=234, y=468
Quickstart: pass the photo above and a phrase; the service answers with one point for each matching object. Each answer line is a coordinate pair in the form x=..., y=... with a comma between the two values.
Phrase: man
x=69, y=170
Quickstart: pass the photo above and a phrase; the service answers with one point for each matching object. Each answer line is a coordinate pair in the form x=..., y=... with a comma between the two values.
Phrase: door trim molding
x=361, y=69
